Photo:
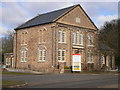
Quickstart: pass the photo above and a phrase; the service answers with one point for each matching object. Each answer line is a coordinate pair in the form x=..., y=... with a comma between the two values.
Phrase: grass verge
x=8, y=83
x=15, y=73
x=21, y=73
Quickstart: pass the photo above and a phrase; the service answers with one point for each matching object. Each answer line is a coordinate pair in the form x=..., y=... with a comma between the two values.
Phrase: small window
x=7, y=61
x=81, y=39
x=24, y=55
x=42, y=54
x=90, y=57
x=73, y=37
x=61, y=55
x=90, y=40
x=103, y=60
x=77, y=20
x=61, y=37
x=77, y=38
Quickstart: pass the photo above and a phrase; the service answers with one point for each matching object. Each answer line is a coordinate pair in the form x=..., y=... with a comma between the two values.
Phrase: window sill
x=61, y=61
x=81, y=44
x=78, y=44
x=62, y=42
x=90, y=45
x=41, y=61
x=23, y=44
x=90, y=62
x=23, y=61
x=41, y=42
x=7, y=64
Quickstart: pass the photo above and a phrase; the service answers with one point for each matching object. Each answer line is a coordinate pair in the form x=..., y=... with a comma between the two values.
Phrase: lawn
x=7, y=83
x=15, y=73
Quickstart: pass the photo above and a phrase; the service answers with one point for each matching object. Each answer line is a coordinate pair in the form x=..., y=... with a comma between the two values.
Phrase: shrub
x=66, y=67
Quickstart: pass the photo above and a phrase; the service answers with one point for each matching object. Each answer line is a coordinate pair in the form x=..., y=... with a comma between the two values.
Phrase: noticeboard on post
x=76, y=62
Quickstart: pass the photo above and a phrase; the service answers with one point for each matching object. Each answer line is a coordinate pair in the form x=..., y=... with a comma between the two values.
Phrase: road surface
x=67, y=80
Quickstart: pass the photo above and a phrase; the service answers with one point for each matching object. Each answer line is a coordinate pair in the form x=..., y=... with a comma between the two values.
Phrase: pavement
x=67, y=80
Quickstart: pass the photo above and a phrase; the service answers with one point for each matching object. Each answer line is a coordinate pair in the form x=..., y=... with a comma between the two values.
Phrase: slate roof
x=50, y=17
x=45, y=18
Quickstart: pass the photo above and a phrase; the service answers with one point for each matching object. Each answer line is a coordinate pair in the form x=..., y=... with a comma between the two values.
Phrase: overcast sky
x=15, y=13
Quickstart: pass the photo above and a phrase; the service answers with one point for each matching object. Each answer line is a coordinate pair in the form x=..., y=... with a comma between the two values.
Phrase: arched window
x=61, y=55
x=81, y=39
x=103, y=59
x=24, y=55
x=73, y=37
x=24, y=38
x=61, y=37
x=90, y=57
x=77, y=38
x=7, y=61
x=42, y=54
x=90, y=39
x=42, y=34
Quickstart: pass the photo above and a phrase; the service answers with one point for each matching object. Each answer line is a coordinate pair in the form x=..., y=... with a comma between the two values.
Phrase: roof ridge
x=27, y=21
x=44, y=14
x=57, y=10
x=66, y=12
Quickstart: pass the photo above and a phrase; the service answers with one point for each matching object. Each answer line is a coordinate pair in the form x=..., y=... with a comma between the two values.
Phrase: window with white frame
x=61, y=37
x=24, y=52
x=81, y=39
x=7, y=61
x=90, y=40
x=42, y=54
x=61, y=55
x=103, y=60
x=90, y=57
x=77, y=38
x=73, y=37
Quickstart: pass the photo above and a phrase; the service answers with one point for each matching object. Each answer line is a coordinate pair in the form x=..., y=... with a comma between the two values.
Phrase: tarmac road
x=67, y=80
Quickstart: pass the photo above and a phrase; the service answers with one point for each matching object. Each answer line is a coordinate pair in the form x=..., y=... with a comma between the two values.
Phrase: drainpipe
x=71, y=47
x=55, y=32
x=53, y=47
x=16, y=50
x=85, y=49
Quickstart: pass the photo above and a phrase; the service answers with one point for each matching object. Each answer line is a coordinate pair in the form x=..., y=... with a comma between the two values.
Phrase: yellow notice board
x=76, y=66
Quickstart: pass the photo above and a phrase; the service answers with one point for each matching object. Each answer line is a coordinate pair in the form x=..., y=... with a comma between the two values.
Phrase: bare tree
x=7, y=44
x=108, y=35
